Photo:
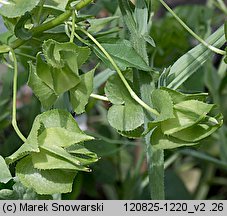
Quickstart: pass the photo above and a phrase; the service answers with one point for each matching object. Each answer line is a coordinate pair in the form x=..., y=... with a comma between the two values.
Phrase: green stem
x=14, y=115
x=155, y=158
x=131, y=92
x=40, y=11
x=73, y=26
x=26, y=55
x=212, y=48
x=99, y=97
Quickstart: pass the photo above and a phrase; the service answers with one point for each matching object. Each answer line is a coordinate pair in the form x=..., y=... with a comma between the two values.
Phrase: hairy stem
x=212, y=48
x=14, y=115
x=131, y=92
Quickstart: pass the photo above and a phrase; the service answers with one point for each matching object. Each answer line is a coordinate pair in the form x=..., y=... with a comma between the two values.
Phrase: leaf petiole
x=14, y=115
x=212, y=48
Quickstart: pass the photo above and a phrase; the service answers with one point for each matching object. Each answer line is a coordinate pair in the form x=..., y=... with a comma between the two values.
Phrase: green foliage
x=189, y=63
x=5, y=175
x=123, y=54
x=184, y=119
x=60, y=73
x=17, y=8
x=125, y=114
x=50, y=149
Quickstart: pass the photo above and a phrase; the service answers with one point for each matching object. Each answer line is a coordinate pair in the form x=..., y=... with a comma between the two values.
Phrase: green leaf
x=188, y=64
x=5, y=174
x=58, y=4
x=193, y=106
x=97, y=25
x=127, y=13
x=50, y=156
x=53, y=53
x=62, y=137
x=124, y=55
x=80, y=94
x=17, y=8
x=141, y=17
x=181, y=121
x=43, y=70
x=188, y=120
x=84, y=155
x=64, y=79
x=199, y=131
x=64, y=60
x=43, y=92
x=19, y=29
x=178, y=97
x=161, y=141
x=44, y=181
x=149, y=40
x=62, y=153
x=57, y=127
x=125, y=113
x=163, y=103
x=45, y=160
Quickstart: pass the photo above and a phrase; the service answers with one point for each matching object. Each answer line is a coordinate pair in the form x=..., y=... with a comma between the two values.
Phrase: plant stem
x=14, y=115
x=131, y=92
x=99, y=97
x=73, y=26
x=155, y=158
x=212, y=48
x=40, y=11
x=26, y=55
